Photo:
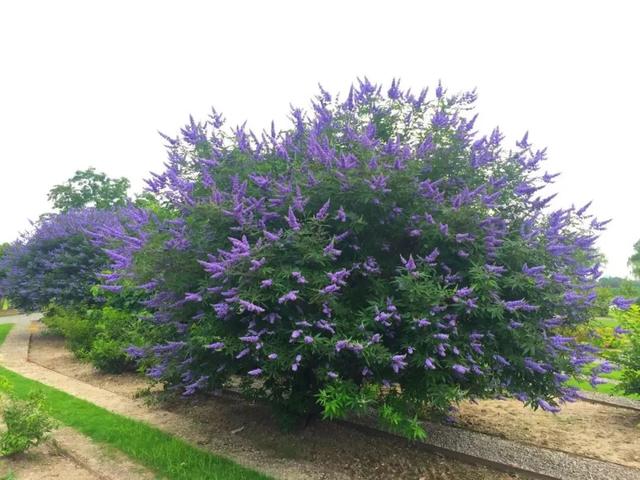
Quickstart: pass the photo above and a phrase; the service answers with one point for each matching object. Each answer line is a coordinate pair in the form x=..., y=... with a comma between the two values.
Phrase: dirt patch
x=69, y=455
x=50, y=351
x=250, y=435
x=598, y=431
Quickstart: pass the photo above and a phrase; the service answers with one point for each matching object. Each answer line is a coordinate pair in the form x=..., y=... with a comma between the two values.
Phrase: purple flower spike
x=215, y=346
x=622, y=303
x=291, y=296
x=324, y=211
x=459, y=369
x=547, y=407
x=398, y=363
x=292, y=220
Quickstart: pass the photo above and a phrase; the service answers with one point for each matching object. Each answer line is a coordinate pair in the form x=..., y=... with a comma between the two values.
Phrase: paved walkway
x=465, y=445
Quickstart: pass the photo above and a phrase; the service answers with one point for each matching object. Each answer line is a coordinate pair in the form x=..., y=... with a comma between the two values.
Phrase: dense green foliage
x=88, y=188
x=100, y=334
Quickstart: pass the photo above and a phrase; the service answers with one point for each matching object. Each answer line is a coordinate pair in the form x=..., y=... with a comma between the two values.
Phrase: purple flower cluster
x=57, y=261
x=377, y=234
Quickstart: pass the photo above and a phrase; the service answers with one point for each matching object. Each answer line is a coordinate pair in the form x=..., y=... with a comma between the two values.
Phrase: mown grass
x=608, y=388
x=165, y=454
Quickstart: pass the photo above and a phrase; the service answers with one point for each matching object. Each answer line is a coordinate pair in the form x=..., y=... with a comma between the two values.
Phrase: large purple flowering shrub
x=57, y=261
x=378, y=255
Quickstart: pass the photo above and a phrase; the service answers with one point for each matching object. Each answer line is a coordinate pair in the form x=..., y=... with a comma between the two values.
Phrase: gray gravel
x=527, y=461
x=603, y=398
x=538, y=461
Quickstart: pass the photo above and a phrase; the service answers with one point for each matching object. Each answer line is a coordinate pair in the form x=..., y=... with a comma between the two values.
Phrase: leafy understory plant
x=26, y=421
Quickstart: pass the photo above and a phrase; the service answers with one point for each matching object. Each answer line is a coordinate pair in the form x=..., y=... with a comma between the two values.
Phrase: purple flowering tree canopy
x=56, y=262
x=379, y=250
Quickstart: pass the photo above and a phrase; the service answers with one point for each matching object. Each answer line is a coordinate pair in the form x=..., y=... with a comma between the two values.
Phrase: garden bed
x=597, y=431
x=236, y=429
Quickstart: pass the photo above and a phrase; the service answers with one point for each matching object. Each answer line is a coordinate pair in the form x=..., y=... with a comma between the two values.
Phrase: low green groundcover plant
x=379, y=254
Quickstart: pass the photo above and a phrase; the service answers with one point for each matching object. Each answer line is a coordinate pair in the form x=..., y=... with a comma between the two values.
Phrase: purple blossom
x=299, y=277
x=193, y=297
x=546, y=406
x=398, y=363
x=331, y=251
x=250, y=339
x=256, y=372
x=622, y=303
x=291, y=296
x=459, y=369
x=324, y=211
x=251, y=307
x=515, y=305
x=534, y=366
x=409, y=264
x=292, y=220
x=621, y=331
x=215, y=346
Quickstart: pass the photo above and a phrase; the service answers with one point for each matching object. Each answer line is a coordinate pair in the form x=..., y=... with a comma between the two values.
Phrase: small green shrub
x=74, y=325
x=99, y=335
x=108, y=355
x=27, y=424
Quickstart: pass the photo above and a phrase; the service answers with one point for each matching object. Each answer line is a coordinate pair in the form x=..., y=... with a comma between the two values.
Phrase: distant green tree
x=634, y=260
x=88, y=188
x=603, y=300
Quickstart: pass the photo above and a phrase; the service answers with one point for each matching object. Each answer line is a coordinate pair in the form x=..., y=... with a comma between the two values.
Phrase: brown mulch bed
x=323, y=450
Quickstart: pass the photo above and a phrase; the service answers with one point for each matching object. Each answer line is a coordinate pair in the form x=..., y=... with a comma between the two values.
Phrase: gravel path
x=460, y=444
x=622, y=402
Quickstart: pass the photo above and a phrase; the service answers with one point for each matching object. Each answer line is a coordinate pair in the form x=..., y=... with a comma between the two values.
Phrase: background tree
x=634, y=260
x=88, y=188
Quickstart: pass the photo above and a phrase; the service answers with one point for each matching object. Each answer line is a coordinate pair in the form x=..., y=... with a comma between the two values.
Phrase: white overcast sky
x=90, y=83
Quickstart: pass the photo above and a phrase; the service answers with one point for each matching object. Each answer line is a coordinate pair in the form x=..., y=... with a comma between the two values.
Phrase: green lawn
x=608, y=388
x=604, y=322
x=165, y=454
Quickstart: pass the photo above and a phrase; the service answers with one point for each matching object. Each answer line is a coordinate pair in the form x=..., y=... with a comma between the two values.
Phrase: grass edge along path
x=164, y=454
x=606, y=388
